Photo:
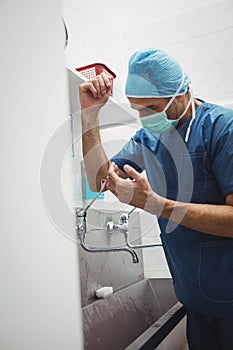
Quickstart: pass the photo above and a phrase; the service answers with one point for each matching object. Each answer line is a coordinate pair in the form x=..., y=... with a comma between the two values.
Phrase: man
x=186, y=148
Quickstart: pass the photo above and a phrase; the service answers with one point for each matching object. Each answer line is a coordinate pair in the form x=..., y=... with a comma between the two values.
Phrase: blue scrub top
x=199, y=171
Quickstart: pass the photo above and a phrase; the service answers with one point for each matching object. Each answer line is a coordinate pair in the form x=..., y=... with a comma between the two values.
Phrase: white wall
x=198, y=33
x=39, y=293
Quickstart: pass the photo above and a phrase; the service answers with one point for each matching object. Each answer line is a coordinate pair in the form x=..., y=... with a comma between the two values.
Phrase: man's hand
x=136, y=192
x=95, y=93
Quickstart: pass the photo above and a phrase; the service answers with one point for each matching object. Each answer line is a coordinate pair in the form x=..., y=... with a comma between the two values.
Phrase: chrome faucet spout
x=138, y=246
x=112, y=249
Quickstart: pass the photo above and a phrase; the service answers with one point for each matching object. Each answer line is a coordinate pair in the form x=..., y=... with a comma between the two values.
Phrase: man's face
x=148, y=106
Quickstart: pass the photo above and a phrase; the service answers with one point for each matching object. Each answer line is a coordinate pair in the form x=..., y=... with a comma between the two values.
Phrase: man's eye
x=146, y=109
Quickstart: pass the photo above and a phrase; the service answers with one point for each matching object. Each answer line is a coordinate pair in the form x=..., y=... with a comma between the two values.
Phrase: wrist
x=166, y=208
x=89, y=118
x=91, y=111
x=155, y=204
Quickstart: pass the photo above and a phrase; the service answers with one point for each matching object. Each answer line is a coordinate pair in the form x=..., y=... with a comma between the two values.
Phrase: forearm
x=211, y=219
x=95, y=159
x=207, y=218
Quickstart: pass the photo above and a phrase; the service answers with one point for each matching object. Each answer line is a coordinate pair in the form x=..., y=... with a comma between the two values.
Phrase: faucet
x=123, y=227
x=81, y=229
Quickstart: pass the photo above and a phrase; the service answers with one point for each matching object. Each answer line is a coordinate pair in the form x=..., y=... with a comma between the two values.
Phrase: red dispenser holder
x=94, y=69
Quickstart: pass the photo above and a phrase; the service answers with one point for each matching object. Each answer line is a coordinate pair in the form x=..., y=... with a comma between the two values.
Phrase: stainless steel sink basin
x=139, y=316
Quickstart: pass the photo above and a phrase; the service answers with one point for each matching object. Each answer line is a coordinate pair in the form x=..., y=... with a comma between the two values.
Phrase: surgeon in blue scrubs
x=185, y=146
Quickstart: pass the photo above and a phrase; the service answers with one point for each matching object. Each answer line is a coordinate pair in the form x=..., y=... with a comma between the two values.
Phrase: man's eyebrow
x=141, y=108
x=147, y=107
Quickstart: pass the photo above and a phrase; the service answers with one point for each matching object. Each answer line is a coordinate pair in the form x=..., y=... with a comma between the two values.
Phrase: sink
x=138, y=316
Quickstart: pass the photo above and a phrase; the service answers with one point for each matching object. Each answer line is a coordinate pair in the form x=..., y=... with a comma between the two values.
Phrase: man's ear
x=182, y=98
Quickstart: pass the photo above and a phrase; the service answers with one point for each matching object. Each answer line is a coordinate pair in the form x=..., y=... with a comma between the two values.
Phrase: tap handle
x=124, y=218
x=111, y=226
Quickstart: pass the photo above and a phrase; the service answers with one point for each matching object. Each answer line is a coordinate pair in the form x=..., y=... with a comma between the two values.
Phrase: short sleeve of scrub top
x=130, y=154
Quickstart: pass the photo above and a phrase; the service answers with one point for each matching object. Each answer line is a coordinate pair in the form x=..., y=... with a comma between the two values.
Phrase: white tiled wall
x=155, y=264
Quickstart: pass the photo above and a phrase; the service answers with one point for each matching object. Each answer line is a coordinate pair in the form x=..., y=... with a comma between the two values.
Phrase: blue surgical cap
x=153, y=73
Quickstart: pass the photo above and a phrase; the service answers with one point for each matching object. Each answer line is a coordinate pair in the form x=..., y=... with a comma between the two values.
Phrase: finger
x=87, y=88
x=96, y=84
x=116, y=167
x=112, y=167
x=107, y=79
x=112, y=174
x=102, y=85
x=132, y=172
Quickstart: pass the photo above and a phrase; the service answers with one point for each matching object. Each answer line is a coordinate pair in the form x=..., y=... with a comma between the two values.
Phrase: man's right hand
x=95, y=92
